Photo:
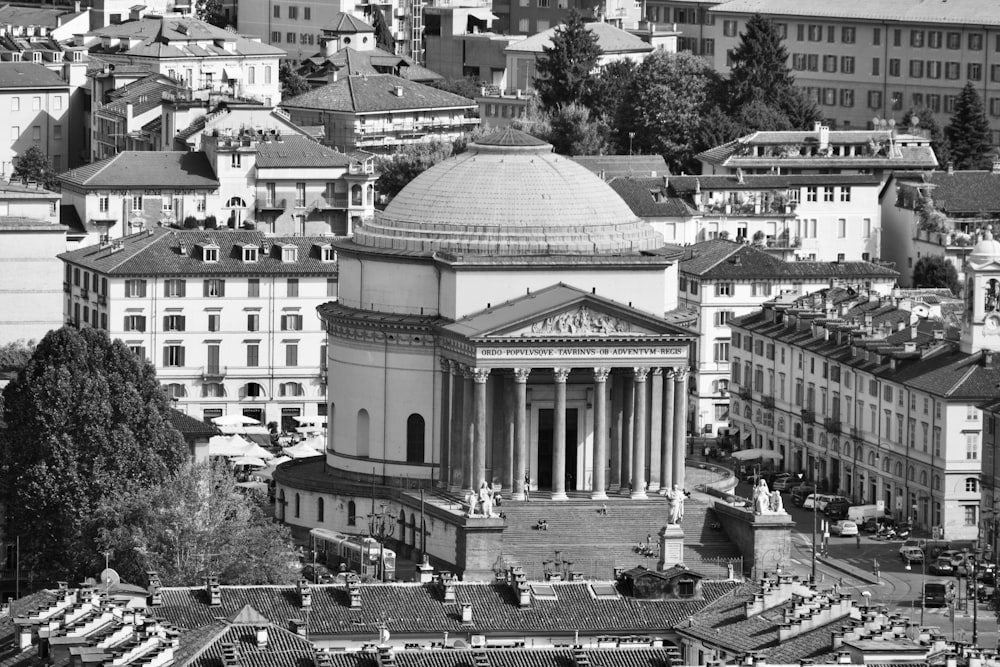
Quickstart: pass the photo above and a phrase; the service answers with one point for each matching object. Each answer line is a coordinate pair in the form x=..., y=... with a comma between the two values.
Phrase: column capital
x=561, y=374
x=467, y=372
x=601, y=373
x=521, y=375
x=480, y=375
x=447, y=365
x=681, y=374
x=668, y=373
x=639, y=373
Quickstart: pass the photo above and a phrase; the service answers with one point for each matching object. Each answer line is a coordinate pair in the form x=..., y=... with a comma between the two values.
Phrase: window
x=893, y=66
x=760, y=289
x=729, y=28
x=215, y=287
x=136, y=202
x=292, y=354
x=352, y=514
x=173, y=355
x=934, y=39
x=234, y=159
x=275, y=34
x=253, y=322
x=102, y=204
x=847, y=35
x=917, y=38
x=975, y=72
x=897, y=101
x=845, y=193
x=173, y=323
x=214, y=321
x=293, y=13
x=841, y=228
x=293, y=287
x=253, y=287
x=975, y=41
x=897, y=37
x=721, y=351
x=933, y=69
x=277, y=12
x=135, y=288
x=723, y=289
x=829, y=63
x=210, y=254
x=319, y=501
x=723, y=317
x=815, y=33
x=971, y=485
x=300, y=194
x=949, y=103
x=827, y=193
x=135, y=323
x=811, y=193
x=875, y=67
x=523, y=25
x=877, y=36
x=415, y=437
x=952, y=70
x=874, y=99
x=15, y=104
x=917, y=69
x=971, y=446
x=291, y=323
x=290, y=38
x=174, y=287
x=970, y=515
x=253, y=354
x=847, y=64
x=15, y=133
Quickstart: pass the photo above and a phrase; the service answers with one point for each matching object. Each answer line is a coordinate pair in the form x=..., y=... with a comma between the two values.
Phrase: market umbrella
x=748, y=454
x=234, y=420
x=266, y=473
x=301, y=451
x=227, y=445
x=253, y=449
x=248, y=461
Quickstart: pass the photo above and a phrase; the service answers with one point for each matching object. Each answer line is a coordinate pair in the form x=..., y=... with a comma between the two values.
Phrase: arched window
x=822, y=440
x=871, y=458
x=370, y=199
x=759, y=418
x=885, y=464
x=835, y=446
x=911, y=474
x=781, y=424
x=923, y=478
x=356, y=195
x=413, y=531
x=319, y=510
x=937, y=482
x=971, y=484
x=401, y=527
x=362, y=432
x=847, y=450
x=415, y=439
x=291, y=389
x=213, y=390
x=330, y=432
x=252, y=390
x=175, y=390
x=298, y=505
x=746, y=411
x=281, y=505
x=236, y=202
x=352, y=513
x=899, y=470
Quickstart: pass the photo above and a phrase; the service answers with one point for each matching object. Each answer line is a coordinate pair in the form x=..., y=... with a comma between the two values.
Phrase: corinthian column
x=559, y=436
x=598, y=492
x=680, y=424
x=639, y=439
x=479, y=378
x=520, y=430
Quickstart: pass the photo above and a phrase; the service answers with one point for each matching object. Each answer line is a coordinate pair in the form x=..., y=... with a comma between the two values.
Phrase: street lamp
x=923, y=583
x=381, y=527
x=812, y=576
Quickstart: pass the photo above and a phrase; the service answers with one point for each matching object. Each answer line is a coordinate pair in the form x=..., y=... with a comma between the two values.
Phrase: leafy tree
x=665, y=105
x=927, y=125
x=33, y=165
x=85, y=418
x=193, y=523
x=968, y=132
x=292, y=83
x=396, y=171
x=383, y=32
x=211, y=11
x=565, y=70
x=935, y=271
x=572, y=131
x=15, y=355
x=802, y=113
x=609, y=88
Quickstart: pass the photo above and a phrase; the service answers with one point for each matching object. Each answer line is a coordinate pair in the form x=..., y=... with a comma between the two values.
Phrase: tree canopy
x=564, y=73
x=211, y=11
x=193, y=523
x=85, y=418
x=936, y=271
x=759, y=70
x=927, y=125
x=397, y=170
x=292, y=83
x=33, y=165
x=968, y=132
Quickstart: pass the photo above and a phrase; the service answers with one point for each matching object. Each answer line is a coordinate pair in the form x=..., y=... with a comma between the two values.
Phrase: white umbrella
x=301, y=451
x=253, y=449
x=266, y=473
x=248, y=461
x=757, y=453
x=234, y=420
x=227, y=445
x=310, y=430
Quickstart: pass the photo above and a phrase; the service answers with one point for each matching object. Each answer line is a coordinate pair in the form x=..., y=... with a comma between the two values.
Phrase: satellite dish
x=914, y=120
x=109, y=577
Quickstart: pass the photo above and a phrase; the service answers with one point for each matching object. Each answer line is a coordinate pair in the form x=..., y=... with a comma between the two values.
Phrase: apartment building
x=857, y=59
x=826, y=217
x=35, y=105
x=227, y=317
x=721, y=280
x=876, y=398
x=120, y=123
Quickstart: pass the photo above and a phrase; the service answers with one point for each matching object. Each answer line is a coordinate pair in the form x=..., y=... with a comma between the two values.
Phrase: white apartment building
x=228, y=318
x=721, y=280
x=873, y=397
x=34, y=102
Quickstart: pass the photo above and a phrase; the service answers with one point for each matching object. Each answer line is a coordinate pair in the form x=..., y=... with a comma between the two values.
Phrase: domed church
x=503, y=321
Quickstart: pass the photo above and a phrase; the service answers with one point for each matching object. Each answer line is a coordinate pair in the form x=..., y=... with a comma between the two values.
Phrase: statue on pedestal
x=761, y=498
x=676, y=508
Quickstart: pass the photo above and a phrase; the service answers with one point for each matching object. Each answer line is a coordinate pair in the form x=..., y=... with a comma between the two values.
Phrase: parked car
x=837, y=508
x=911, y=554
x=812, y=500
x=844, y=528
x=801, y=492
x=775, y=476
x=784, y=483
x=942, y=566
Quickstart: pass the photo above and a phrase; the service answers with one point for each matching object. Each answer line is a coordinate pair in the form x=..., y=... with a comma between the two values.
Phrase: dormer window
x=210, y=253
x=36, y=57
x=326, y=252
x=289, y=253
x=250, y=253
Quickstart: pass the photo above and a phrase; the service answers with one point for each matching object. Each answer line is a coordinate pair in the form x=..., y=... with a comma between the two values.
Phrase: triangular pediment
x=585, y=319
x=248, y=616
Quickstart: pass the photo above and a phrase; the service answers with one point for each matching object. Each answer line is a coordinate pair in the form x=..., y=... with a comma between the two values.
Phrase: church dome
x=986, y=251
x=508, y=194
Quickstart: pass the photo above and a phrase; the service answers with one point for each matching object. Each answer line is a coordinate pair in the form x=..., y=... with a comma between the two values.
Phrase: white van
x=859, y=514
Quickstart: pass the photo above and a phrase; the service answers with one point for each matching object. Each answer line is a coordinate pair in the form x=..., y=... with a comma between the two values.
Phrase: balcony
x=783, y=242
x=327, y=202
x=745, y=393
x=67, y=287
x=84, y=293
x=213, y=373
x=102, y=299
x=832, y=425
x=767, y=401
x=808, y=416
x=272, y=205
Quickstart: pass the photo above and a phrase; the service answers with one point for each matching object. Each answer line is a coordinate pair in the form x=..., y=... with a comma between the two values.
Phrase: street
x=899, y=589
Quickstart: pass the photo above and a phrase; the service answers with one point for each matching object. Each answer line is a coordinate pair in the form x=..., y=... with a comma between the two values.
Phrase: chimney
x=824, y=136
x=305, y=594
x=322, y=659
x=996, y=166
x=448, y=586
x=213, y=590
x=426, y=571
x=297, y=626
x=155, y=595
x=939, y=334
x=354, y=591
x=399, y=91
x=229, y=656
x=261, y=633
x=24, y=638
x=951, y=167
x=466, y=613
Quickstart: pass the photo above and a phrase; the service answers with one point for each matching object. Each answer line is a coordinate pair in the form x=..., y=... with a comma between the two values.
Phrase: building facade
x=227, y=318
x=875, y=398
x=35, y=101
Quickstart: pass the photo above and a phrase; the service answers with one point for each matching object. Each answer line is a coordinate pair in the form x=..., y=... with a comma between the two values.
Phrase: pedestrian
x=858, y=537
x=527, y=486
x=604, y=509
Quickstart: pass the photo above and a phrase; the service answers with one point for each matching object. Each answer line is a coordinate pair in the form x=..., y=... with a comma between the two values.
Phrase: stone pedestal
x=480, y=541
x=671, y=547
x=764, y=540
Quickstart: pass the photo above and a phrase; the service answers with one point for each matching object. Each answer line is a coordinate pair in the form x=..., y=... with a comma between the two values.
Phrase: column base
x=599, y=495
x=559, y=495
x=614, y=488
x=454, y=488
x=638, y=495
x=517, y=496
x=625, y=491
x=654, y=487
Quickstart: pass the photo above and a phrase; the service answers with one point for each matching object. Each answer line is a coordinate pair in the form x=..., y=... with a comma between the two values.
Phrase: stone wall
x=764, y=540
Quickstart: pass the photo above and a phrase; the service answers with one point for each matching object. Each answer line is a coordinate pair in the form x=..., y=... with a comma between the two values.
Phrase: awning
x=750, y=454
x=482, y=14
x=232, y=73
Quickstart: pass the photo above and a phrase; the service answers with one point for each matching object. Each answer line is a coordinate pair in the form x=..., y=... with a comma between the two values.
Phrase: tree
x=383, y=32
x=292, y=83
x=573, y=131
x=15, y=355
x=759, y=68
x=608, y=89
x=193, y=523
x=211, y=11
x=968, y=132
x=465, y=87
x=564, y=73
x=935, y=271
x=927, y=125
x=85, y=418
x=665, y=105
x=396, y=171
x=33, y=165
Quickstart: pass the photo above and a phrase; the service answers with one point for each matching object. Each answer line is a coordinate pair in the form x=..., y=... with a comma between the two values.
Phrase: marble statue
x=761, y=498
x=486, y=500
x=676, y=508
x=776, y=506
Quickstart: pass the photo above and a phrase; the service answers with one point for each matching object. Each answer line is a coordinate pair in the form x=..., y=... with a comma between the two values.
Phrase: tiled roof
x=965, y=192
x=158, y=252
x=613, y=166
x=160, y=169
x=371, y=62
x=49, y=17
x=29, y=75
x=646, y=199
x=916, y=153
x=509, y=136
x=298, y=151
x=189, y=426
x=360, y=94
x=347, y=23
x=419, y=608
x=609, y=38
x=19, y=190
x=686, y=184
x=623, y=656
x=974, y=12
x=720, y=258
x=283, y=649
x=144, y=95
x=178, y=37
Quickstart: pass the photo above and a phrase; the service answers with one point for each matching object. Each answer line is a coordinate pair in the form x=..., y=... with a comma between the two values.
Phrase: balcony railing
x=832, y=425
x=84, y=293
x=272, y=205
x=213, y=373
x=745, y=393
x=102, y=299
x=768, y=401
x=808, y=416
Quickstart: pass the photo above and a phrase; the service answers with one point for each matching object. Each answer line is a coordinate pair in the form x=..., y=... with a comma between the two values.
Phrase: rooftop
x=177, y=37
x=380, y=92
x=298, y=151
x=724, y=259
x=978, y=13
x=29, y=75
x=612, y=40
x=970, y=192
x=160, y=169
